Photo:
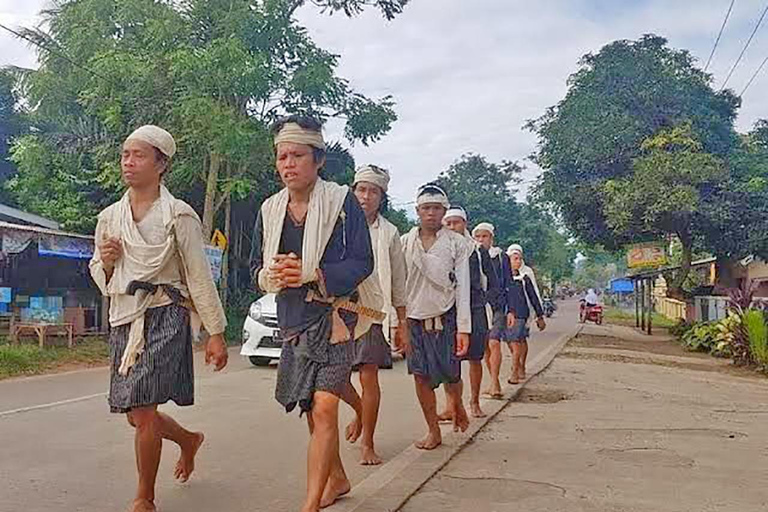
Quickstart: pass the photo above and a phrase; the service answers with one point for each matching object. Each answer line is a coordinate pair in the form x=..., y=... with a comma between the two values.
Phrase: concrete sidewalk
x=612, y=428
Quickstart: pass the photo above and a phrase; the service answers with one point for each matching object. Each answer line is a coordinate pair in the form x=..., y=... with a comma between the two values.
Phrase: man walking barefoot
x=484, y=285
x=372, y=349
x=312, y=248
x=438, y=308
x=149, y=260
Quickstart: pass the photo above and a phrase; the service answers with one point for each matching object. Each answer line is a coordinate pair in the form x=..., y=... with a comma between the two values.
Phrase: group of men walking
x=348, y=289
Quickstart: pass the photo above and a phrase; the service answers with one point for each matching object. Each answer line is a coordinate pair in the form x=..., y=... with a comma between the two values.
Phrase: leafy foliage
x=757, y=334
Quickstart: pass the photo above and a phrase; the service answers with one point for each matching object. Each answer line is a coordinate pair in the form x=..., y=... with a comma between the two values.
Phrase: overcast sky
x=466, y=75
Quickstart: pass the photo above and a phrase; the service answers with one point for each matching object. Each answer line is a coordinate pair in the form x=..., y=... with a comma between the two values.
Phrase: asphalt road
x=63, y=451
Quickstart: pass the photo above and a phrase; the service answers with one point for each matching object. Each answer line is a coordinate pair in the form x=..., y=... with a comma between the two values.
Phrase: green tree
x=620, y=97
x=11, y=125
x=486, y=191
x=214, y=72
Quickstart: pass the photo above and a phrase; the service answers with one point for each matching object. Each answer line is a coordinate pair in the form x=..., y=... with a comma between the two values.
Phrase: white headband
x=433, y=197
x=292, y=132
x=484, y=226
x=374, y=175
x=155, y=137
x=456, y=212
x=515, y=248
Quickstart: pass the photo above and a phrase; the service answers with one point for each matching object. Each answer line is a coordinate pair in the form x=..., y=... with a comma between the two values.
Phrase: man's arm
x=343, y=277
x=99, y=273
x=256, y=258
x=463, y=293
x=533, y=297
x=494, y=290
x=399, y=278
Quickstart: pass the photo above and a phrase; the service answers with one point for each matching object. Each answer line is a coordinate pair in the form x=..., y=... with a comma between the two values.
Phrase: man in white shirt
x=372, y=350
x=438, y=309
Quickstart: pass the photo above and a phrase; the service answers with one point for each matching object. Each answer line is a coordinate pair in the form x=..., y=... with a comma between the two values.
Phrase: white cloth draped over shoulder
x=430, y=289
x=157, y=261
x=389, y=269
x=326, y=206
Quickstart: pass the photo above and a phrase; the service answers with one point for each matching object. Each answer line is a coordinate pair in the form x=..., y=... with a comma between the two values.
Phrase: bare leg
x=148, y=445
x=338, y=484
x=428, y=402
x=494, y=368
x=355, y=427
x=447, y=415
x=323, y=448
x=189, y=442
x=460, y=418
x=369, y=379
x=515, y=377
x=475, y=381
x=523, y=359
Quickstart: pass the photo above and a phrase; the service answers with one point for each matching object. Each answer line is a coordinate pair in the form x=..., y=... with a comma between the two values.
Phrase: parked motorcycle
x=549, y=307
x=590, y=313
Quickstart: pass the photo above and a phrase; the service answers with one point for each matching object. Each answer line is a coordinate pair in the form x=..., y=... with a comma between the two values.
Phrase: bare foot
x=445, y=417
x=335, y=489
x=477, y=412
x=353, y=431
x=522, y=374
x=142, y=505
x=369, y=457
x=460, y=419
x=186, y=463
x=431, y=441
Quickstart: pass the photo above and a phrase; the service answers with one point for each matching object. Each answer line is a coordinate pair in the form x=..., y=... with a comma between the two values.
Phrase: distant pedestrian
x=149, y=260
x=484, y=234
x=522, y=295
x=484, y=295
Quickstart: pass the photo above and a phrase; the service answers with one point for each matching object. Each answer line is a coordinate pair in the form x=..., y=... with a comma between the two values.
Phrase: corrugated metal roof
x=31, y=218
x=42, y=231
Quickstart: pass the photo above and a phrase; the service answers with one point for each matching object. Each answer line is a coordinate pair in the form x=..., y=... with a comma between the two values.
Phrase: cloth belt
x=173, y=293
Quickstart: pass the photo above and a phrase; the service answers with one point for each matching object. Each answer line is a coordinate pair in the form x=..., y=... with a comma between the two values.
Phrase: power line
x=749, y=41
x=50, y=50
x=722, y=28
x=757, y=72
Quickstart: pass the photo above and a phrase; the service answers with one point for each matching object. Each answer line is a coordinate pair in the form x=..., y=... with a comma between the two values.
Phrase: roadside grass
x=29, y=359
x=627, y=318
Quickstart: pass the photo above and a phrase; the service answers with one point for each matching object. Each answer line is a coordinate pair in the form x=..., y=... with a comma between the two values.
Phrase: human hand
x=285, y=271
x=403, y=339
x=462, y=344
x=216, y=352
x=110, y=250
x=510, y=320
x=540, y=323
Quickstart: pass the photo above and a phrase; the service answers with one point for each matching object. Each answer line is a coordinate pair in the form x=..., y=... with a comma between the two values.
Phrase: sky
x=467, y=75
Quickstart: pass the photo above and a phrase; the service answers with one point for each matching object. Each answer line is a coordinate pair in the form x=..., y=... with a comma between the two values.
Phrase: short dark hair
x=306, y=122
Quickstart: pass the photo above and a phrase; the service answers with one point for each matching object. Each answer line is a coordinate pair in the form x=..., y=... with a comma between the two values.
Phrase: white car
x=261, y=340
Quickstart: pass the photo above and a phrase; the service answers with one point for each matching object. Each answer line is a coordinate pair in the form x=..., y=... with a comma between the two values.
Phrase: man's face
x=296, y=165
x=456, y=224
x=431, y=215
x=516, y=259
x=369, y=196
x=484, y=238
x=140, y=164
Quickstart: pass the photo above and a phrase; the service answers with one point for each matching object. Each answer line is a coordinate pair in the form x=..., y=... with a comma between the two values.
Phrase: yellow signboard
x=219, y=240
x=646, y=255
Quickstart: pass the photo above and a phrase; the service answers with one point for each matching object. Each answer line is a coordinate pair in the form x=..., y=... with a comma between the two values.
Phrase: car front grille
x=269, y=321
x=270, y=342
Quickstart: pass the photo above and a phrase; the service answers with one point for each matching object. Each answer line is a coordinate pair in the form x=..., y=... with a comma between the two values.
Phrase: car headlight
x=255, y=312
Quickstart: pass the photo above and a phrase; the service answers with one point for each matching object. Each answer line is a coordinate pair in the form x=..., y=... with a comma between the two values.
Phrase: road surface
x=62, y=450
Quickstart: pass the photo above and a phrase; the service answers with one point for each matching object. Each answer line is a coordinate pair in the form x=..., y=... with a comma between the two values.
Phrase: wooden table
x=42, y=330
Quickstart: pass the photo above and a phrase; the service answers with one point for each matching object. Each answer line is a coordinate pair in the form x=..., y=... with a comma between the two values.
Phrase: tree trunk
x=227, y=252
x=209, y=210
x=675, y=288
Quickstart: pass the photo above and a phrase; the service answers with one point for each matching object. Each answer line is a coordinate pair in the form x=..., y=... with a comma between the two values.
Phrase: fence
x=671, y=308
x=710, y=308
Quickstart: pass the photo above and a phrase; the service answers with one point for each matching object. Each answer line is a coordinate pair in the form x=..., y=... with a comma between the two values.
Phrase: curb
x=390, y=488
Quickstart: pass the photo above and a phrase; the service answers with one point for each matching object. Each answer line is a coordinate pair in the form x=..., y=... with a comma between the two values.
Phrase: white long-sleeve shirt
x=438, y=278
